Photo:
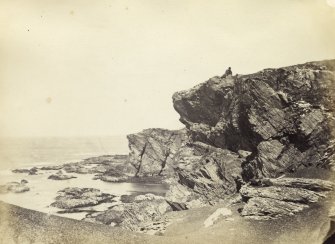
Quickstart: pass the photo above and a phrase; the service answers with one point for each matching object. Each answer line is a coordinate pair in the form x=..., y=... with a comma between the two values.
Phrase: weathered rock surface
x=100, y=165
x=152, y=150
x=52, y=167
x=211, y=172
x=15, y=187
x=61, y=176
x=268, y=208
x=74, y=197
x=287, y=194
x=310, y=184
x=273, y=198
x=144, y=214
x=283, y=116
x=31, y=171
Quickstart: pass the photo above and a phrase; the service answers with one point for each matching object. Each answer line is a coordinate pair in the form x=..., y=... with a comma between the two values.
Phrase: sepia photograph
x=167, y=121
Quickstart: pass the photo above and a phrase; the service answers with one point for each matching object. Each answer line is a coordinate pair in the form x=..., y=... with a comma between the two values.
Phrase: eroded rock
x=267, y=208
x=144, y=214
x=288, y=194
x=211, y=172
x=274, y=198
x=61, y=176
x=152, y=150
x=283, y=116
x=74, y=197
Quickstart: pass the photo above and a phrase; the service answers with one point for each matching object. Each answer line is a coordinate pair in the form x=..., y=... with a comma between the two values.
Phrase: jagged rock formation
x=144, y=214
x=210, y=172
x=273, y=198
x=152, y=150
x=241, y=128
x=283, y=116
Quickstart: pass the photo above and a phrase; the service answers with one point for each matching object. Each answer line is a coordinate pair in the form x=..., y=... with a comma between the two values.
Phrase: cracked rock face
x=273, y=198
x=144, y=214
x=152, y=150
x=283, y=116
x=208, y=171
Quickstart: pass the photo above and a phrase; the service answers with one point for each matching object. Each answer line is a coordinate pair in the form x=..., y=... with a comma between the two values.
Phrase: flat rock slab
x=274, y=198
x=266, y=208
x=74, y=197
x=61, y=176
x=288, y=194
x=310, y=184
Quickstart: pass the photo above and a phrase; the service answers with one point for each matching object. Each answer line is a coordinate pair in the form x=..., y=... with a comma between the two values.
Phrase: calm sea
x=25, y=152
x=28, y=152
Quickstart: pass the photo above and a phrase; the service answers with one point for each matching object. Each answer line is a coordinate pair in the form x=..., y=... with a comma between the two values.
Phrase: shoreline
x=24, y=225
x=21, y=225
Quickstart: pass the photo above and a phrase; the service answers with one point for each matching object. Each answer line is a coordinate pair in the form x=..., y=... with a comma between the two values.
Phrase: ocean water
x=29, y=152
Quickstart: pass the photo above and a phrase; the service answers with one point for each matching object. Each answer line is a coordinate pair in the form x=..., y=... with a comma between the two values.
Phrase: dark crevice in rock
x=141, y=157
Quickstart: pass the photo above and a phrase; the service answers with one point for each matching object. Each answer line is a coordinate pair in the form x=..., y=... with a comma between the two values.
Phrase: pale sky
x=106, y=67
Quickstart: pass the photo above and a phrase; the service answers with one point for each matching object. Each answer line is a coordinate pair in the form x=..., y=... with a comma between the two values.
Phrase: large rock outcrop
x=283, y=116
x=242, y=129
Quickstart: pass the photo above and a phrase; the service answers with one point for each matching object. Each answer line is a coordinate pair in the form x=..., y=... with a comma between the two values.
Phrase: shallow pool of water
x=43, y=190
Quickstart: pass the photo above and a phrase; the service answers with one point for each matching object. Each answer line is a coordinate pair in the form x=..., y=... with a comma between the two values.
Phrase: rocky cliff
x=243, y=128
x=284, y=117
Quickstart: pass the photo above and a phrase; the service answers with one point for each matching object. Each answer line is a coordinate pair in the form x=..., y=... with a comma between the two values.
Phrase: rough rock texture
x=283, y=116
x=52, y=167
x=273, y=198
x=145, y=214
x=74, y=197
x=101, y=165
x=61, y=176
x=267, y=208
x=310, y=184
x=152, y=150
x=210, y=172
x=287, y=194
x=31, y=171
